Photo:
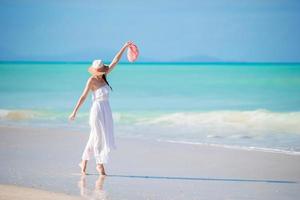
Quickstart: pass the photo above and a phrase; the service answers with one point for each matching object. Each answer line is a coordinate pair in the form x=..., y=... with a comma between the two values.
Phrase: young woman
x=101, y=139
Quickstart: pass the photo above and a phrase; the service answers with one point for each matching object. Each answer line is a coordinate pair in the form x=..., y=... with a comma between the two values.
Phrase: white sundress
x=101, y=140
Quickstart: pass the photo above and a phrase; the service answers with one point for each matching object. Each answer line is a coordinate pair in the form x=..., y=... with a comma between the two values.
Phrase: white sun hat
x=94, y=68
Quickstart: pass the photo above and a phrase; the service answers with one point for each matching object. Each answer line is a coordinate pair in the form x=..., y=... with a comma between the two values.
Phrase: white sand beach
x=16, y=192
x=45, y=161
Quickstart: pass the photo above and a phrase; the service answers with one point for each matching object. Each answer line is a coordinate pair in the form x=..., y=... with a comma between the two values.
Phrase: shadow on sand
x=202, y=179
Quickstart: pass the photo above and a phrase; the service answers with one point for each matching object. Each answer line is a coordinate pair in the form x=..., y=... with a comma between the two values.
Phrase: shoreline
x=86, y=129
x=259, y=149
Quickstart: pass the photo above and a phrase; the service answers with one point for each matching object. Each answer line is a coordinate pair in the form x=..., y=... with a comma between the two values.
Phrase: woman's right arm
x=82, y=98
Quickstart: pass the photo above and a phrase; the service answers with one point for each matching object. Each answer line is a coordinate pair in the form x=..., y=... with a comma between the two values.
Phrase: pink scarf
x=132, y=52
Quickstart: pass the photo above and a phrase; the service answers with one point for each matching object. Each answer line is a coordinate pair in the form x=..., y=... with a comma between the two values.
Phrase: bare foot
x=100, y=169
x=83, y=172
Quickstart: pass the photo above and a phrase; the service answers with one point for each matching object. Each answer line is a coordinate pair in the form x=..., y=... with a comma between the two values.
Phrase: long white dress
x=101, y=140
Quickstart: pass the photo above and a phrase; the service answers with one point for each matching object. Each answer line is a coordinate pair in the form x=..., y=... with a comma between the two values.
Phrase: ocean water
x=251, y=106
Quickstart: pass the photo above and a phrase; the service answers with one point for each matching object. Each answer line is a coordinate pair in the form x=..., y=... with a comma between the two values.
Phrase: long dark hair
x=104, y=77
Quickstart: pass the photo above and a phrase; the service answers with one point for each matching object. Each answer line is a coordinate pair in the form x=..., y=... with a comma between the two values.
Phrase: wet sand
x=46, y=159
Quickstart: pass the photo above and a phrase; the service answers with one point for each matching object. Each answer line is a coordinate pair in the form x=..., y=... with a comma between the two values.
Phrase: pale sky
x=190, y=30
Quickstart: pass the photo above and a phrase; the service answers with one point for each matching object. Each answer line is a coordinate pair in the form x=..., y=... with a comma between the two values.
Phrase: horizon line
x=144, y=62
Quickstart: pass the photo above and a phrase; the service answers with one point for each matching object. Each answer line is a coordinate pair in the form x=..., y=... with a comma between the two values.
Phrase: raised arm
x=82, y=98
x=117, y=57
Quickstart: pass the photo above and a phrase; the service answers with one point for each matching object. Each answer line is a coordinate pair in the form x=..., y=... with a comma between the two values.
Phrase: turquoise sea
x=252, y=106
